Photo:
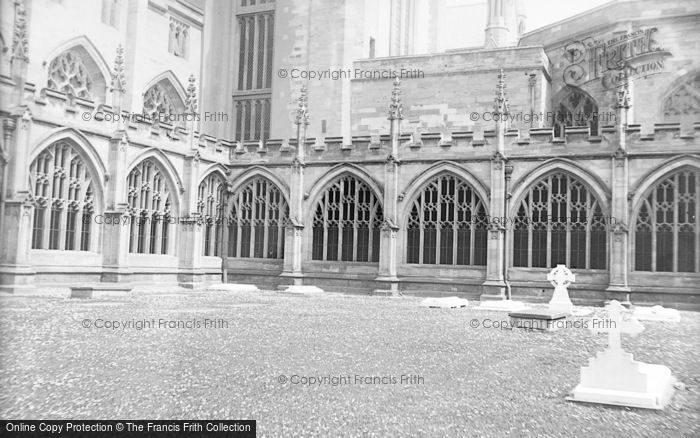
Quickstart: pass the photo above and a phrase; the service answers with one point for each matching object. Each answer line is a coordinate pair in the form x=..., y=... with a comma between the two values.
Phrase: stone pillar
x=294, y=233
x=117, y=220
x=500, y=27
x=494, y=288
x=16, y=273
x=388, y=250
x=618, y=235
x=190, y=224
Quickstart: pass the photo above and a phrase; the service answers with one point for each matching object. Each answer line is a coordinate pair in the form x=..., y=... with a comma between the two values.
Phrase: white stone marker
x=444, y=303
x=561, y=277
x=233, y=287
x=657, y=313
x=614, y=378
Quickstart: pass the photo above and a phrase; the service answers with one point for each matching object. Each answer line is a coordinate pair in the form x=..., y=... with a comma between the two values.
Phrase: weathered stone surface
x=444, y=303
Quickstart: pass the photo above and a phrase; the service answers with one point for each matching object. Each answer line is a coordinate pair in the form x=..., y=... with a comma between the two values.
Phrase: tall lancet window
x=667, y=229
x=258, y=216
x=211, y=207
x=447, y=224
x=559, y=221
x=347, y=222
x=150, y=211
x=63, y=199
x=575, y=108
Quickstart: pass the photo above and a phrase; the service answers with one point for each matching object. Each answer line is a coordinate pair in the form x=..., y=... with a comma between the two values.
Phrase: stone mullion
x=253, y=219
x=421, y=234
x=148, y=203
x=280, y=225
x=438, y=220
x=160, y=219
x=590, y=212
x=355, y=224
x=246, y=54
x=63, y=196
x=567, y=225
x=255, y=32
x=676, y=223
x=472, y=232
x=370, y=227
x=82, y=191
x=653, y=230
x=266, y=222
x=548, y=246
x=265, y=67
x=325, y=212
x=455, y=224
x=340, y=221
x=239, y=218
x=48, y=199
x=530, y=227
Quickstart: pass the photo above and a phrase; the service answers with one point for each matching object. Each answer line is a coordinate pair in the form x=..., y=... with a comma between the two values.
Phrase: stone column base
x=493, y=290
x=17, y=279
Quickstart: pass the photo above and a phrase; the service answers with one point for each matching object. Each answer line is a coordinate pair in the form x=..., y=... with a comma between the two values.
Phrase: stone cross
x=616, y=325
x=561, y=277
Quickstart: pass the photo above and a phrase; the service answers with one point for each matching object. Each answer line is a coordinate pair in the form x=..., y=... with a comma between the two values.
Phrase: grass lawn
x=474, y=381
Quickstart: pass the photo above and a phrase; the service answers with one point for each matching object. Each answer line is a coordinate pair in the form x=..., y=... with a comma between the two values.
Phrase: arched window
x=162, y=102
x=150, y=209
x=684, y=101
x=210, y=205
x=667, y=230
x=447, y=225
x=559, y=221
x=258, y=216
x=63, y=199
x=575, y=108
x=75, y=72
x=347, y=222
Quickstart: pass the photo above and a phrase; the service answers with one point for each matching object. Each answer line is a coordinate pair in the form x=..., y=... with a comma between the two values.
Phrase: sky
x=543, y=12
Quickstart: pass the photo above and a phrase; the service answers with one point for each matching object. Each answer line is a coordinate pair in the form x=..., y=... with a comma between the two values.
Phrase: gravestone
x=444, y=303
x=561, y=277
x=657, y=313
x=614, y=378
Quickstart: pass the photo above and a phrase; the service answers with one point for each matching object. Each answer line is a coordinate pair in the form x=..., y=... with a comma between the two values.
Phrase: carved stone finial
x=20, y=41
x=396, y=107
x=191, y=100
x=501, y=101
x=118, y=80
x=302, y=115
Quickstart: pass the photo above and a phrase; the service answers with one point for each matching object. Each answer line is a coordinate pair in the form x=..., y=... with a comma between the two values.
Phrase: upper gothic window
x=575, y=108
x=684, y=101
x=179, y=39
x=210, y=206
x=256, y=224
x=447, y=225
x=347, y=222
x=162, y=102
x=559, y=221
x=68, y=74
x=63, y=199
x=667, y=230
x=149, y=209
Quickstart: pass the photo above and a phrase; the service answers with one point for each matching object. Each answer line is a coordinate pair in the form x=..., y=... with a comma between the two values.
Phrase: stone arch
x=87, y=152
x=360, y=219
x=662, y=238
x=336, y=172
x=173, y=177
x=164, y=94
x=682, y=98
x=571, y=105
x=214, y=168
x=255, y=171
x=82, y=49
x=591, y=181
x=414, y=187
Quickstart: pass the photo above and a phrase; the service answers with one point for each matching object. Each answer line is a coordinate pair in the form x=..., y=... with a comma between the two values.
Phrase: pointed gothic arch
x=574, y=107
x=683, y=99
x=666, y=219
x=76, y=67
x=560, y=216
x=164, y=97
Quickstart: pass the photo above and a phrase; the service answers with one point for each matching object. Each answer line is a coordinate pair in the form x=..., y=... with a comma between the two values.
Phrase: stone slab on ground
x=233, y=287
x=100, y=290
x=444, y=303
x=537, y=319
x=656, y=313
x=303, y=290
x=503, y=305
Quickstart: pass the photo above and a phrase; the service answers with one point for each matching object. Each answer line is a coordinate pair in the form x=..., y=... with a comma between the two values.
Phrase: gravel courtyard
x=254, y=358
